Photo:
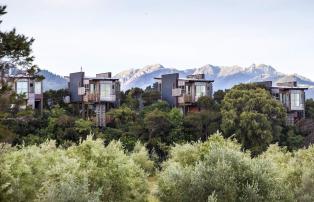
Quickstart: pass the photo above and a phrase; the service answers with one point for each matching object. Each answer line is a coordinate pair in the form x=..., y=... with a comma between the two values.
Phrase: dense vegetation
x=86, y=172
x=214, y=170
x=218, y=170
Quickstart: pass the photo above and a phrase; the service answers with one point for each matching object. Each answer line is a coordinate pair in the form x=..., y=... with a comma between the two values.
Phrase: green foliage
x=218, y=170
x=309, y=108
x=6, y=136
x=219, y=96
x=83, y=126
x=15, y=49
x=292, y=138
x=158, y=124
x=150, y=96
x=141, y=157
x=296, y=170
x=160, y=105
x=133, y=98
x=250, y=113
x=206, y=103
x=54, y=98
x=85, y=172
x=199, y=125
x=122, y=116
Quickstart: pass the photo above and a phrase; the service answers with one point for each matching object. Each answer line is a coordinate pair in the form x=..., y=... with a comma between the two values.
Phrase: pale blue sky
x=116, y=35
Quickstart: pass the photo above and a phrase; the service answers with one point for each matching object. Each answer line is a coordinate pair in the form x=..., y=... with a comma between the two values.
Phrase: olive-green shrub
x=218, y=170
x=87, y=172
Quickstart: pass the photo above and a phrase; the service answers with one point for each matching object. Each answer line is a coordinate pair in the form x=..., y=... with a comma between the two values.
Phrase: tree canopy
x=250, y=113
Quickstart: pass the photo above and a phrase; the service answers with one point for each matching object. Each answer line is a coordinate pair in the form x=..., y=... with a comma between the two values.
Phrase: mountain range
x=224, y=76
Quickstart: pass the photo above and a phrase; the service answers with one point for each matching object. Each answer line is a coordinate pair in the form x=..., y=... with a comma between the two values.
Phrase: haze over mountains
x=225, y=76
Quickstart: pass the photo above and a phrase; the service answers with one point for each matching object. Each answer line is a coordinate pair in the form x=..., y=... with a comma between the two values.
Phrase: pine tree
x=15, y=50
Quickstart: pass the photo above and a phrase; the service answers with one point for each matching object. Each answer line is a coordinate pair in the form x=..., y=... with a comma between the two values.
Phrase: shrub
x=217, y=170
x=85, y=172
x=141, y=157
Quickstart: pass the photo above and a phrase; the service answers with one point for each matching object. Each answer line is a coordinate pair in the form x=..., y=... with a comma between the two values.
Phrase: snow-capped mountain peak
x=224, y=76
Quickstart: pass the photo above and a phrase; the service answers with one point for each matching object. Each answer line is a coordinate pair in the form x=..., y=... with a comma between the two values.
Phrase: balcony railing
x=109, y=98
x=95, y=97
x=185, y=99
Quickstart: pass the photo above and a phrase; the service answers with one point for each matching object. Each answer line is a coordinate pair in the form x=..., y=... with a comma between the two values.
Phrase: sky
x=117, y=35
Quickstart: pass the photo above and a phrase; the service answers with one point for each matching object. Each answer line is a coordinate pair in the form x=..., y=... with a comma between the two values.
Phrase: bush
x=87, y=172
x=217, y=170
x=141, y=157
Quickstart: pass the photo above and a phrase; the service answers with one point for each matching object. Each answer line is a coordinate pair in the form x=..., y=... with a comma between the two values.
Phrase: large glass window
x=38, y=87
x=92, y=88
x=200, y=91
x=105, y=90
x=22, y=87
x=188, y=90
x=295, y=99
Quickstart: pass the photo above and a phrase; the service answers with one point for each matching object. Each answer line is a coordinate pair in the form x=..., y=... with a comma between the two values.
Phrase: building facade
x=183, y=92
x=94, y=96
x=31, y=87
x=291, y=96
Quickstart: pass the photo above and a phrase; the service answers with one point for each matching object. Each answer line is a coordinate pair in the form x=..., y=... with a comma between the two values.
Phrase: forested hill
x=53, y=81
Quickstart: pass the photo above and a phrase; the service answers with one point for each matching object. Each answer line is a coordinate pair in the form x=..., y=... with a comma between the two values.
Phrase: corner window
x=295, y=99
x=92, y=88
x=105, y=90
x=200, y=90
x=38, y=87
x=22, y=87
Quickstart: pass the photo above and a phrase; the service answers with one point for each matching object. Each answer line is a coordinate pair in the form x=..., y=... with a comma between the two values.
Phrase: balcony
x=108, y=98
x=93, y=97
x=185, y=99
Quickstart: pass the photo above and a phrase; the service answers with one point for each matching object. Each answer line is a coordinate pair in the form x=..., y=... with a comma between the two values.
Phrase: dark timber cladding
x=76, y=81
x=169, y=82
x=183, y=92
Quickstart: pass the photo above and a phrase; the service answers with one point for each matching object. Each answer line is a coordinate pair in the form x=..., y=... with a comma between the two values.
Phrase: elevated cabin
x=29, y=86
x=183, y=92
x=291, y=96
x=94, y=96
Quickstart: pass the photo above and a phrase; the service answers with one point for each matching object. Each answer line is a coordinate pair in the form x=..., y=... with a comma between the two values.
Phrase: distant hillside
x=53, y=81
x=225, y=76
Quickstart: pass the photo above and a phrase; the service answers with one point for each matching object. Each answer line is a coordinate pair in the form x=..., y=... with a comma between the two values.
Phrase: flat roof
x=101, y=78
x=21, y=76
x=289, y=87
x=189, y=79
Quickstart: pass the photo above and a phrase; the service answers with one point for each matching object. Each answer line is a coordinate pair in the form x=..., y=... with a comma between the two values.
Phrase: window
x=200, y=90
x=295, y=99
x=38, y=87
x=105, y=90
x=22, y=87
x=188, y=90
x=92, y=88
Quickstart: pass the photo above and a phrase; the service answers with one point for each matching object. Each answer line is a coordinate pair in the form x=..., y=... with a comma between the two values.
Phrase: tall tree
x=15, y=50
x=250, y=113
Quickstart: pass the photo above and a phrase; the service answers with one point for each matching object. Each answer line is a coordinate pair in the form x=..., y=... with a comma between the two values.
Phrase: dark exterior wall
x=76, y=81
x=169, y=81
x=117, y=93
x=210, y=89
